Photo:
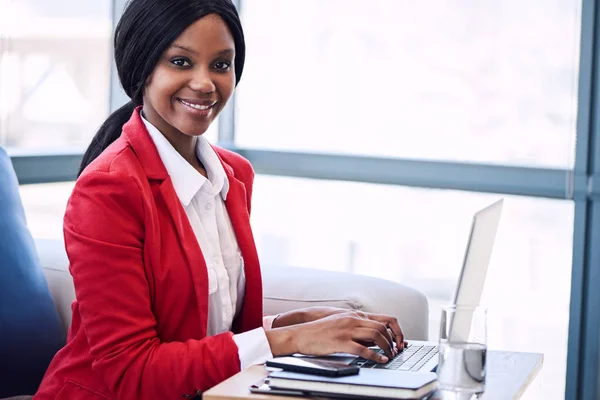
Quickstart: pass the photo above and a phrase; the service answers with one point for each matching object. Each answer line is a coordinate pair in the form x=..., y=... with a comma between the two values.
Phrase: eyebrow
x=225, y=52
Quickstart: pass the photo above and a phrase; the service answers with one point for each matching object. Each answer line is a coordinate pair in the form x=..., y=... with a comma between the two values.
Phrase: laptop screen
x=475, y=265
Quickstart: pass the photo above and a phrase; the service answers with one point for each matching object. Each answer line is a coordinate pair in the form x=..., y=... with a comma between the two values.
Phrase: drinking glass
x=463, y=347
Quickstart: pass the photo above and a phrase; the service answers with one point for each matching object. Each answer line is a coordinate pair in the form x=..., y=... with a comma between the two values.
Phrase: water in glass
x=462, y=367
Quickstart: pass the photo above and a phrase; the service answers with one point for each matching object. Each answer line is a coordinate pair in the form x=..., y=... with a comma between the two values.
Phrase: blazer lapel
x=190, y=247
x=250, y=315
x=136, y=134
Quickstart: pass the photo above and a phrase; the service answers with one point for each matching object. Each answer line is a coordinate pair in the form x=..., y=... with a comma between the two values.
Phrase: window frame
x=583, y=356
x=580, y=184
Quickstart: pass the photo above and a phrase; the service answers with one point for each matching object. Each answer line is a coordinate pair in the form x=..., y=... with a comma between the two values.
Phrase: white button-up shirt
x=204, y=203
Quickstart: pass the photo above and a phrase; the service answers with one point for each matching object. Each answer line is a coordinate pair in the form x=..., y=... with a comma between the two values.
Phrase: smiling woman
x=157, y=230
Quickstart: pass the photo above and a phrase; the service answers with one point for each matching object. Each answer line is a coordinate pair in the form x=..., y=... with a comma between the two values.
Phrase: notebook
x=387, y=384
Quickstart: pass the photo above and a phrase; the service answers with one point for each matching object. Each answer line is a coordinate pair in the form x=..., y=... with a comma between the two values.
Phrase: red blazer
x=141, y=283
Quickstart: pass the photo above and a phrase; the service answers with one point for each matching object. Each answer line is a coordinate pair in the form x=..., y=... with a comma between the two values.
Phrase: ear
x=148, y=81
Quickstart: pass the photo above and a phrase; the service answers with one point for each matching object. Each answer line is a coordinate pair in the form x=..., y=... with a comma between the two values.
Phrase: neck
x=184, y=144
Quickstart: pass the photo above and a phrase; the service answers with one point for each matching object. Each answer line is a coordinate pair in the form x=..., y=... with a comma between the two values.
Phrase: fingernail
x=384, y=359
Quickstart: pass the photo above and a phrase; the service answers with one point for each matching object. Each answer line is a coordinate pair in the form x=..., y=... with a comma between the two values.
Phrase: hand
x=303, y=315
x=316, y=313
x=340, y=332
x=391, y=323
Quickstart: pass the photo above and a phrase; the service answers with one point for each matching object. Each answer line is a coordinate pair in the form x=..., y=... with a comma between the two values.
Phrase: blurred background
x=376, y=130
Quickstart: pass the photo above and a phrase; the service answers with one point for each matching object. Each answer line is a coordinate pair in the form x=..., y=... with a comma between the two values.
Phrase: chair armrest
x=287, y=289
x=54, y=262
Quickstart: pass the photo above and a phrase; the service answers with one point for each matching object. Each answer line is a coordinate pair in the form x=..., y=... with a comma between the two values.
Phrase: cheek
x=226, y=86
x=161, y=88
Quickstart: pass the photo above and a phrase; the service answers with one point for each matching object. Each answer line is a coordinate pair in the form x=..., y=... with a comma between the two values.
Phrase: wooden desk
x=509, y=375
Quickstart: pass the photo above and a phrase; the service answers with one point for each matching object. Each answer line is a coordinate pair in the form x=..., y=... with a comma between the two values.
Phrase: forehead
x=208, y=33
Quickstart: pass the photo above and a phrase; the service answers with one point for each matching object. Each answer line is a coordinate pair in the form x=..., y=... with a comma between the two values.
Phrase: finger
x=390, y=335
x=381, y=327
x=377, y=337
x=365, y=343
x=393, y=324
x=364, y=352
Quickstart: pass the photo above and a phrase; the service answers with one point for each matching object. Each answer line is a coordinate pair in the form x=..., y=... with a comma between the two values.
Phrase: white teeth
x=197, y=106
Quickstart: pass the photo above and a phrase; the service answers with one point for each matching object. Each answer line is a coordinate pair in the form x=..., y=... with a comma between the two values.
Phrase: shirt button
x=208, y=206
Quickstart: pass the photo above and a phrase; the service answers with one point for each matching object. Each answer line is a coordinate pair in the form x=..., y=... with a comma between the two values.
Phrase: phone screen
x=313, y=366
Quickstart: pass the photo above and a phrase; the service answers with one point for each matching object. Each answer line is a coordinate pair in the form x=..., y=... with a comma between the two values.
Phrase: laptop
x=422, y=355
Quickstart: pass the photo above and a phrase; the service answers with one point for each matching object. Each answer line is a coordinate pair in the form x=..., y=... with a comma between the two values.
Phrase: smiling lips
x=200, y=108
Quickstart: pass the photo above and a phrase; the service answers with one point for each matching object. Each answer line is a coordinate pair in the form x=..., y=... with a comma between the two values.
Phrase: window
x=486, y=82
x=212, y=132
x=54, y=71
x=458, y=81
x=45, y=206
x=417, y=237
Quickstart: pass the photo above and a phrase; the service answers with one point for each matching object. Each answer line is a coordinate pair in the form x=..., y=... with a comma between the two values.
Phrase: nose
x=202, y=81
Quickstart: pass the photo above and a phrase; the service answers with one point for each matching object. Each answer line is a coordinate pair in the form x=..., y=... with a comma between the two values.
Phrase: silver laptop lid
x=475, y=264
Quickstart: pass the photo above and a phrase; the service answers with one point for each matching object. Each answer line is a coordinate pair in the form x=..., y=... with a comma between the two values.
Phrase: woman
x=167, y=278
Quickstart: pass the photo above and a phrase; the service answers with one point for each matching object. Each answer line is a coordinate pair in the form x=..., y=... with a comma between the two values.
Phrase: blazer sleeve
x=104, y=230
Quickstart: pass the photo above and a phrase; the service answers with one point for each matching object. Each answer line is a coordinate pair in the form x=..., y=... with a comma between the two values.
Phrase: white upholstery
x=284, y=289
x=55, y=263
x=293, y=288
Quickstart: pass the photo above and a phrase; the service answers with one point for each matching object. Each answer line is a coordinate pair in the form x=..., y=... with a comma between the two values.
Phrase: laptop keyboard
x=412, y=358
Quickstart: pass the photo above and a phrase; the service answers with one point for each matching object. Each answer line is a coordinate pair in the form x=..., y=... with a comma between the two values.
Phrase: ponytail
x=108, y=133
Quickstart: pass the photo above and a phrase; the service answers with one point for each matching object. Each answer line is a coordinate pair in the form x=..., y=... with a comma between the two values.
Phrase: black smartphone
x=313, y=366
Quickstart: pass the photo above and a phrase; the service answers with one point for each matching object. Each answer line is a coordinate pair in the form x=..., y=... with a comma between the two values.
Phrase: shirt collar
x=186, y=180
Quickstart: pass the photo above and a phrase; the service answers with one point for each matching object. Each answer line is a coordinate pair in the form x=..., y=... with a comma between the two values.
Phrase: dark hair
x=146, y=29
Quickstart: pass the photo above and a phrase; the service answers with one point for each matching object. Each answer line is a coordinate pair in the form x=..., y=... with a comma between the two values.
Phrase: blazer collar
x=136, y=134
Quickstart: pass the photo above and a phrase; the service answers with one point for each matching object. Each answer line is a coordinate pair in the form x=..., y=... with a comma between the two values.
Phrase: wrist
x=281, y=341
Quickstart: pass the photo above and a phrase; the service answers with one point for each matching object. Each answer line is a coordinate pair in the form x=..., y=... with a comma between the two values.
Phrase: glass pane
x=45, y=206
x=483, y=81
x=418, y=237
x=54, y=71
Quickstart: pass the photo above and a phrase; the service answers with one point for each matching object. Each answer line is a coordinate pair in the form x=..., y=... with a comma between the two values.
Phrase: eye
x=181, y=62
x=222, y=65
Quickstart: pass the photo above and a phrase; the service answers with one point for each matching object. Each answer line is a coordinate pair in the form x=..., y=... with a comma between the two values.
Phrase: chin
x=195, y=133
x=194, y=129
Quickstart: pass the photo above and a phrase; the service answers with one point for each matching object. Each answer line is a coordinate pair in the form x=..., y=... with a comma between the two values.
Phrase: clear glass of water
x=463, y=346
